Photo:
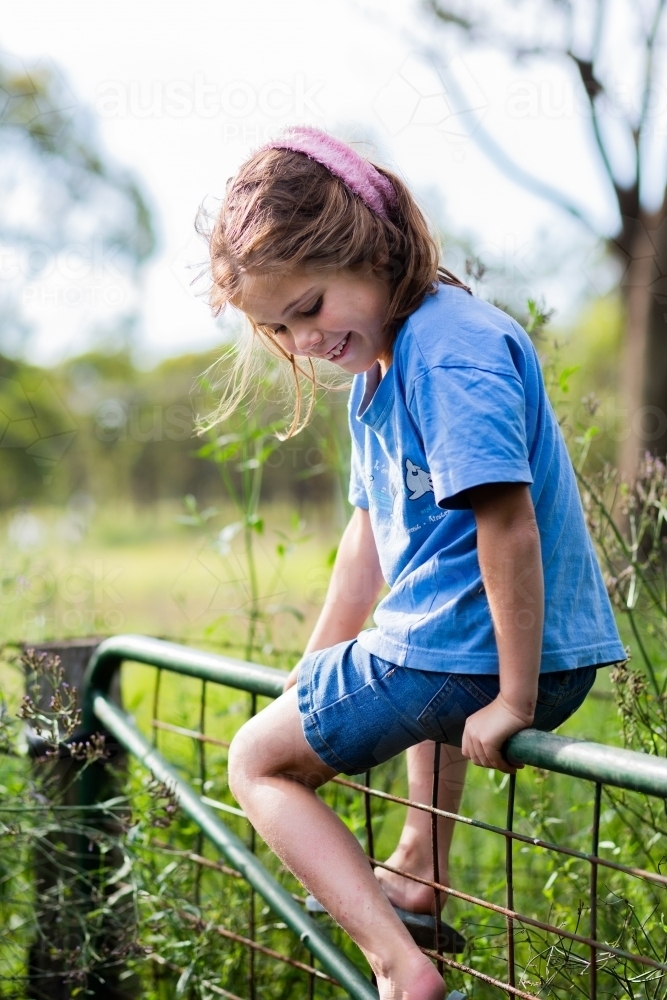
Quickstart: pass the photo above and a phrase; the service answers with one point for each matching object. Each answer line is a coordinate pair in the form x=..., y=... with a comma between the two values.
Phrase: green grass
x=139, y=570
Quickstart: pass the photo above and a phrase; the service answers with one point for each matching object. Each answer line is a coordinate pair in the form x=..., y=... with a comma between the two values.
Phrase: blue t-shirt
x=464, y=404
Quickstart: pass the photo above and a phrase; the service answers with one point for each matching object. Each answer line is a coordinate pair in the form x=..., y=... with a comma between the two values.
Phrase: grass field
x=140, y=570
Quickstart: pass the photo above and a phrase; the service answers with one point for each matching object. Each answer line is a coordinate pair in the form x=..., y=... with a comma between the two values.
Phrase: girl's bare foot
x=401, y=891
x=417, y=980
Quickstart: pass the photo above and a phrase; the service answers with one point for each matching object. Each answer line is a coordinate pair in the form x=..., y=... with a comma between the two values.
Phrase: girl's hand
x=487, y=730
x=291, y=680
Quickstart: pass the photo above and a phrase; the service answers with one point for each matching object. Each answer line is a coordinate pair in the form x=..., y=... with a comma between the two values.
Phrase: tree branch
x=492, y=148
x=448, y=16
x=627, y=199
x=648, y=80
x=593, y=88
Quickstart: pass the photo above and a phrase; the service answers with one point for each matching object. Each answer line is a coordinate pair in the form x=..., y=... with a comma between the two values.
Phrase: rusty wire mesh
x=601, y=946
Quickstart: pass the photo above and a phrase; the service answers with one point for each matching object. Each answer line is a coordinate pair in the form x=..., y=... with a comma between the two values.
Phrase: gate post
x=68, y=851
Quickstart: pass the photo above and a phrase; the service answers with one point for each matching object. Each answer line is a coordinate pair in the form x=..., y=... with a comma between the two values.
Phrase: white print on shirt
x=417, y=481
x=381, y=496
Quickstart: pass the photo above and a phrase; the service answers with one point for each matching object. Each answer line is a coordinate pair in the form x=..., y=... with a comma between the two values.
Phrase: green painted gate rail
x=597, y=763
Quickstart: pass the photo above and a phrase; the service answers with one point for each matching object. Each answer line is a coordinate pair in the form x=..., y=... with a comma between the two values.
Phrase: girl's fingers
x=472, y=752
x=479, y=757
x=494, y=758
x=473, y=748
x=485, y=755
x=498, y=762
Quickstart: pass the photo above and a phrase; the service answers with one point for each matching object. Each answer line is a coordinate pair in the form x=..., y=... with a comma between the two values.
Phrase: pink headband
x=375, y=190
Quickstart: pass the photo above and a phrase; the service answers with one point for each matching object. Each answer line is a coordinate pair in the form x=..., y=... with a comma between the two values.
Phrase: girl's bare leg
x=273, y=773
x=413, y=852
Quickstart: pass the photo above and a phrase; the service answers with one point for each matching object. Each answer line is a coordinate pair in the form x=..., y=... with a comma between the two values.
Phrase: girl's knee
x=272, y=745
x=259, y=750
x=243, y=762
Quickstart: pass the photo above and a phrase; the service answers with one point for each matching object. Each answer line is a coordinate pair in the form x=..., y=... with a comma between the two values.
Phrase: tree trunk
x=655, y=379
x=644, y=357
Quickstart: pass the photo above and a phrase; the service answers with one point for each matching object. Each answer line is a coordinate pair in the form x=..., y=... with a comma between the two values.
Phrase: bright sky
x=182, y=93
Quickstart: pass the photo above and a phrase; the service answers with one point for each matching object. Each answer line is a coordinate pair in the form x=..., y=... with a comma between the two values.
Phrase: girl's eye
x=313, y=311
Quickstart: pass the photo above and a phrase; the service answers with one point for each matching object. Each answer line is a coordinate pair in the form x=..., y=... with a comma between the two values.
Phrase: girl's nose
x=306, y=338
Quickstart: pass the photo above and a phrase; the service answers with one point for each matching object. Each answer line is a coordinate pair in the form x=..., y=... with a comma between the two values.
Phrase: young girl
x=465, y=505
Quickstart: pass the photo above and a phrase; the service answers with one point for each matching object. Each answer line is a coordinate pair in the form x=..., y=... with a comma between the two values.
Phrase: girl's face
x=336, y=315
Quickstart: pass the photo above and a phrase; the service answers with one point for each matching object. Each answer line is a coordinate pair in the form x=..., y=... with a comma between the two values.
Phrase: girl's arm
x=508, y=548
x=355, y=583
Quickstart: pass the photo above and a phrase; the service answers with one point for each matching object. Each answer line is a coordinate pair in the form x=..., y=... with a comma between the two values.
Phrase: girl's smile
x=337, y=351
x=335, y=315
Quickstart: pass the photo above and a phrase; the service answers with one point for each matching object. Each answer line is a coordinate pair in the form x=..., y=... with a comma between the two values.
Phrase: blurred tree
x=64, y=206
x=613, y=51
x=99, y=428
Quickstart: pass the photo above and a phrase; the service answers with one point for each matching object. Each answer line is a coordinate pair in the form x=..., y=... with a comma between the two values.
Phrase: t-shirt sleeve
x=473, y=424
x=357, y=493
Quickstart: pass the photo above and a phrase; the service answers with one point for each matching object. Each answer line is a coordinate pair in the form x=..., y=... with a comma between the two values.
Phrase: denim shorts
x=358, y=710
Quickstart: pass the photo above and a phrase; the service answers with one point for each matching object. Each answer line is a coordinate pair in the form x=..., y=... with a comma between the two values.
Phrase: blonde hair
x=285, y=212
